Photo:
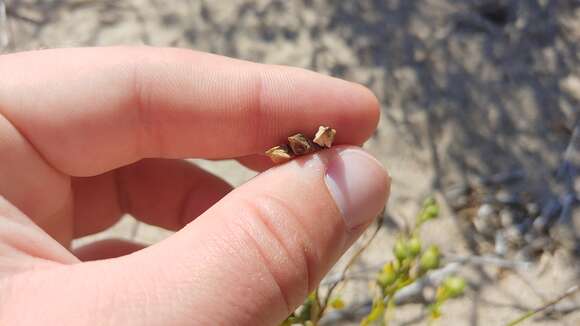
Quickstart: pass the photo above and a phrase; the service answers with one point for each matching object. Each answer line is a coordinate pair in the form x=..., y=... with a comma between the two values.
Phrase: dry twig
x=350, y=263
x=574, y=289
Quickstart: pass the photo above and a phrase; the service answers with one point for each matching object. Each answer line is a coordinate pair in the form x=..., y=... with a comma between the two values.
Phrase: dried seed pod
x=300, y=145
x=324, y=136
x=279, y=154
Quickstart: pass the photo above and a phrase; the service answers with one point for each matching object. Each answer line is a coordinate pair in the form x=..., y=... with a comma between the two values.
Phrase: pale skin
x=87, y=135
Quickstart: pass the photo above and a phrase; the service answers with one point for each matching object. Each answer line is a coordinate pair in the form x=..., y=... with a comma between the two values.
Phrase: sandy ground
x=468, y=89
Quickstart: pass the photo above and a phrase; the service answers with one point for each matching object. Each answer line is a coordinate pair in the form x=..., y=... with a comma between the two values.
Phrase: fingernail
x=359, y=186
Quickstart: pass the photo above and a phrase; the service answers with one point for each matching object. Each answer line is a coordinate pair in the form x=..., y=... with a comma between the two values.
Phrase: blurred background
x=480, y=108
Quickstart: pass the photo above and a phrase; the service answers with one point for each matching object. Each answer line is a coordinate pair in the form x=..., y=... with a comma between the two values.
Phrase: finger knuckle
x=287, y=251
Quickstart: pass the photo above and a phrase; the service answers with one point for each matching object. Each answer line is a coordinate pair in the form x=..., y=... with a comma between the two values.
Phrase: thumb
x=249, y=260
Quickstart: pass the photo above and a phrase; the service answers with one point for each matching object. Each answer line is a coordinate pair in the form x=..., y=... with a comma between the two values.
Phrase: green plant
x=450, y=288
x=308, y=314
x=410, y=264
x=412, y=261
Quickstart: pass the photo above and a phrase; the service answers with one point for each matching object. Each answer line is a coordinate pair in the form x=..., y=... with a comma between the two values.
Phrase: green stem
x=521, y=318
x=350, y=263
x=390, y=311
x=530, y=313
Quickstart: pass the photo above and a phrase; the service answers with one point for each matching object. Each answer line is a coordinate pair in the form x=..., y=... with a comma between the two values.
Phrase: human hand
x=87, y=135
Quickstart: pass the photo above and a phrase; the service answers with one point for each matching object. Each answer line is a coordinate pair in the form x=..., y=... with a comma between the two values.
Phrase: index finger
x=91, y=110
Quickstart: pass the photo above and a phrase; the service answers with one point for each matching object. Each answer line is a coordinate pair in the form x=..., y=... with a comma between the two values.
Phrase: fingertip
x=371, y=105
x=368, y=106
x=358, y=111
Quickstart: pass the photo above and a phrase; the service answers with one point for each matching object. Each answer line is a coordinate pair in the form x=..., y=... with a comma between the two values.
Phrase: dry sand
x=465, y=93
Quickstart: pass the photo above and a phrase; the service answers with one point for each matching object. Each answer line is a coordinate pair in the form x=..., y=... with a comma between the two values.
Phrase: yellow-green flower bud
x=396, y=265
x=454, y=286
x=430, y=258
x=401, y=250
x=337, y=303
x=429, y=202
x=429, y=211
x=388, y=275
x=414, y=246
x=432, y=211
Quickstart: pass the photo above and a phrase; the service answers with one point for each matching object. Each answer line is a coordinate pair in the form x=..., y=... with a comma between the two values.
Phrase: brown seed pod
x=301, y=145
x=298, y=144
x=279, y=154
x=324, y=136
